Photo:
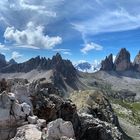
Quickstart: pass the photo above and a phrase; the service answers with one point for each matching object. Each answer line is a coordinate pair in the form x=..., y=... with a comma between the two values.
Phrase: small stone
x=32, y=119
x=12, y=96
x=41, y=123
x=60, y=129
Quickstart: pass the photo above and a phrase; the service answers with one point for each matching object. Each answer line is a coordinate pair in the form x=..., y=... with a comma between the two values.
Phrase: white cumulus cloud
x=32, y=37
x=91, y=46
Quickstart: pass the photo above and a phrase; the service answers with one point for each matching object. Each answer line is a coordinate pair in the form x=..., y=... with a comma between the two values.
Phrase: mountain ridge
x=63, y=75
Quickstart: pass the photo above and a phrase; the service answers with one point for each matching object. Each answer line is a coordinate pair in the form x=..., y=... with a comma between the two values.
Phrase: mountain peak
x=58, y=54
x=12, y=61
x=136, y=63
x=122, y=61
x=57, y=58
x=107, y=64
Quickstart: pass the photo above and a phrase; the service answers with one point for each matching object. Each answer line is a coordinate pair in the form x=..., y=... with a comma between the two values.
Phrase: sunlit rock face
x=122, y=61
x=28, y=132
x=59, y=129
x=136, y=62
x=12, y=114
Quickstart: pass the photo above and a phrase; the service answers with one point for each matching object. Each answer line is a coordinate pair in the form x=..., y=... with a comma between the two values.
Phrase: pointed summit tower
x=136, y=62
x=122, y=61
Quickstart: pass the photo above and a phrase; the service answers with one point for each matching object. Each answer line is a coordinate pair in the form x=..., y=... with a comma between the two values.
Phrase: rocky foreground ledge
x=37, y=111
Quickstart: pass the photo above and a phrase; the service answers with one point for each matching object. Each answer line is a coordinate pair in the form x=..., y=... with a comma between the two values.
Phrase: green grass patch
x=134, y=107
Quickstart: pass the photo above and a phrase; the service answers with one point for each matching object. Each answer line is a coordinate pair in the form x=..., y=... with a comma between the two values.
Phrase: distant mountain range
x=66, y=68
x=87, y=67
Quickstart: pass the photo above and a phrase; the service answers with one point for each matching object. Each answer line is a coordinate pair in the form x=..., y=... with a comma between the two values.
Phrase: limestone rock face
x=122, y=61
x=136, y=62
x=58, y=129
x=107, y=64
x=21, y=110
x=12, y=114
x=28, y=132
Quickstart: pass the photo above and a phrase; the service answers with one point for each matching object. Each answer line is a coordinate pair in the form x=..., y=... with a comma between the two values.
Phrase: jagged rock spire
x=107, y=64
x=122, y=61
x=136, y=63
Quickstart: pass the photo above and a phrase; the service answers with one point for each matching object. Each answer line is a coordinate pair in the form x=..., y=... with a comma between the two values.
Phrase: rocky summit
x=29, y=111
x=40, y=63
x=107, y=64
x=122, y=61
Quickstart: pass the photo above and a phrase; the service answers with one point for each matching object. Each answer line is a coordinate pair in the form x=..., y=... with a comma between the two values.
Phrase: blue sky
x=79, y=29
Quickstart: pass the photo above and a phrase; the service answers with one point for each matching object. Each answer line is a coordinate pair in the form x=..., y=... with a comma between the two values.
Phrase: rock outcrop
x=98, y=130
x=12, y=114
x=99, y=109
x=59, y=129
x=96, y=104
x=52, y=107
x=107, y=64
x=28, y=132
x=136, y=62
